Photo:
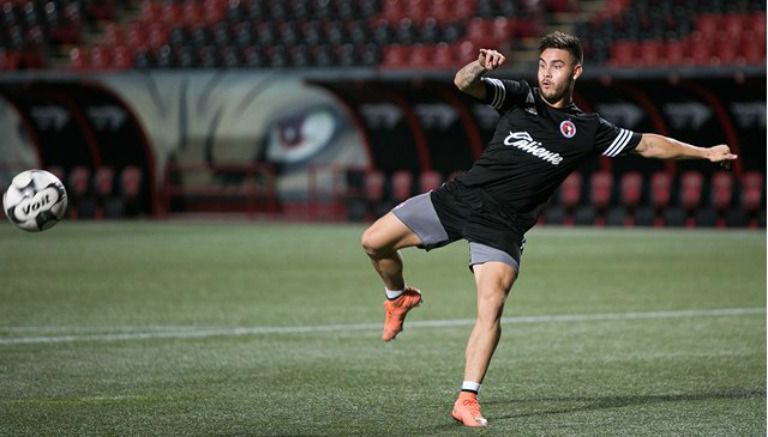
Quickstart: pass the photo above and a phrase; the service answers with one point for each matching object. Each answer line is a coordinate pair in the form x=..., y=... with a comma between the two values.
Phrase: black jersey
x=534, y=148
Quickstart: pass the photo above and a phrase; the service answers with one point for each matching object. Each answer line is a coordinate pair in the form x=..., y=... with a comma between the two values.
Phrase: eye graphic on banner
x=297, y=138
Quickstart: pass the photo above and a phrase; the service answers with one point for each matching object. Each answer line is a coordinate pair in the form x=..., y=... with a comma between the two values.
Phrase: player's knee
x=372, y=242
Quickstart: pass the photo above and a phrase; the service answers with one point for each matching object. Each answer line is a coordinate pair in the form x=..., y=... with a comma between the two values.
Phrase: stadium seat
x=429, y=181
x=650, y=53
x=691, y=186
x=631, y=189
x=444, y=56
x=78, y=189
x=395, y=56
x=570, y=191
x=130, y=188
x=569, y=199
x=752, y=191
x=624, y=54
x=601, y=184
x=722, y=190
x=103, y=188
x=402, y=184
x=661, y=194
x=691, y=189
x=374, y=186
x=480, y=32
x=661, y=189
x=420, y=57
x=676, y=53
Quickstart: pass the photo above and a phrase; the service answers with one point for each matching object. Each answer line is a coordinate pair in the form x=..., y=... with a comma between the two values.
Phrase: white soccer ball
x=35, y=200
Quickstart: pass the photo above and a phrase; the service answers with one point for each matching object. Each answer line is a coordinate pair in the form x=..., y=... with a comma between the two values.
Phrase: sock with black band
x=471, y=387
x=392, y=294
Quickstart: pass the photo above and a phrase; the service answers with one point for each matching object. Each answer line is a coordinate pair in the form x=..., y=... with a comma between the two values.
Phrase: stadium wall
x=270, y=142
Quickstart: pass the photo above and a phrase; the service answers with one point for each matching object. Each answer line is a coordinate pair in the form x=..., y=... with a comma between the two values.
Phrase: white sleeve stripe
x=499, y=93
x=623, y=144
x=618, y=143
x=616, y=140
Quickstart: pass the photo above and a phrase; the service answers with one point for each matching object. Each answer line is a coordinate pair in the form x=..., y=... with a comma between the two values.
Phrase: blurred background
x=336, y=110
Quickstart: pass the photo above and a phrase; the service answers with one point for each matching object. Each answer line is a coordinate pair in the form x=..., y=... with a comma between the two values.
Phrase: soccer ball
x=35, y=200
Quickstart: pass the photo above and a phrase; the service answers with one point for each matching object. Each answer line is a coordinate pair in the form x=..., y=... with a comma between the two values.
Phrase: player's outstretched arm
x=661, y=147
x=468, y=77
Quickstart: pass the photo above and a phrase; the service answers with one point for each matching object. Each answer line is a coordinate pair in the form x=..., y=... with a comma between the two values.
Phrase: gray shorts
x=420, y=216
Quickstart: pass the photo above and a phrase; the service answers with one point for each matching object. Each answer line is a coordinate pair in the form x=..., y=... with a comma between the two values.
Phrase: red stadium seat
x=193, y=14
x=130, y=182
x=725, y=52
x=77, y=183
x=708, y=24
x=701, y=51
x=624, y=53
x=722, y=190
x=651, y=53
x=395, y=56
x=466, y=52
x=691, y=184
x=503, y=30
x=9, y=60
x=676, y=53
x=114, y=35
x=374, y=186
x=393, y=10
x=480, y=32
x=401, y=185
x=136, y=35
x=752, y=48
x=464, y=8
x=420, y=57
x=417, y=10
x=752, y=191
x=444, y=56
x=733, y=25
x=442, y=10
x=157, y=35
x=122, y=57
x=79, y=59
x=631, y=188
x=101, y=58
x=103, y=180
x=661, y=189
x=429, y=181
x=570, y=191
x=601, y=184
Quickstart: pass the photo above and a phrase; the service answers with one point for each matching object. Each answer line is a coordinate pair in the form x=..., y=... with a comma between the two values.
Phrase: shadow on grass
x=592, y=403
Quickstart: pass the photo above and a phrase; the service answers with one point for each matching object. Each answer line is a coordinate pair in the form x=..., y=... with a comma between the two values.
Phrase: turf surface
x=169, y=329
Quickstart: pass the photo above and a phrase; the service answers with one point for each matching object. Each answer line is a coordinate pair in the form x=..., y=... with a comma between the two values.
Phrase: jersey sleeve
x=613, y=141
x=503, y=94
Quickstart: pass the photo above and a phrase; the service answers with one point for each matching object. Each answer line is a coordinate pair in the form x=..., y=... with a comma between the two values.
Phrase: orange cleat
x=396, y=310
x=466, y=411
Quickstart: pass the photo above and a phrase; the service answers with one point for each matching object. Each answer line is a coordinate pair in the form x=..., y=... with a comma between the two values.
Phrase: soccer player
x=540, y=138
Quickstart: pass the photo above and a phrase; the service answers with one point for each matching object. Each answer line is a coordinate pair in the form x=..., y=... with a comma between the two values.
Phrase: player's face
x=557, y=72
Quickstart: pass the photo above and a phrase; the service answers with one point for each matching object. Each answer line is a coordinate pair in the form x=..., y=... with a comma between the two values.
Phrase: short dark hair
x=562, y=40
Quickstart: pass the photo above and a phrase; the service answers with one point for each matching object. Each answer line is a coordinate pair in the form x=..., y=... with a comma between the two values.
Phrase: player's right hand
x=490, y=59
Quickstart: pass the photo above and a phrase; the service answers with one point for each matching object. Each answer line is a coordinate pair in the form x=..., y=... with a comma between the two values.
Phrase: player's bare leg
x=382, y=241
x=493, y=281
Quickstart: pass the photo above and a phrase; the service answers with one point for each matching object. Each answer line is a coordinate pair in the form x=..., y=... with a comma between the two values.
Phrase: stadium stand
x=391, y=34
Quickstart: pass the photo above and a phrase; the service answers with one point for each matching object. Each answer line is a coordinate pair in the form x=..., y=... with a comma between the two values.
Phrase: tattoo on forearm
x=471, y=73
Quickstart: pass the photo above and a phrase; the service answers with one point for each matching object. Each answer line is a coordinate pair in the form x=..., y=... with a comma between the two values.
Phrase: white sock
x=393, y=294
x=470, y=386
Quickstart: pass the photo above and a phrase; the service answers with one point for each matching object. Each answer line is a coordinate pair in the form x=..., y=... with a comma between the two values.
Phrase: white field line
x=171, y=332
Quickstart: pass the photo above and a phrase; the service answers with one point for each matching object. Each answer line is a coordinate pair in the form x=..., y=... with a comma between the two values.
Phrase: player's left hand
x=722, y=154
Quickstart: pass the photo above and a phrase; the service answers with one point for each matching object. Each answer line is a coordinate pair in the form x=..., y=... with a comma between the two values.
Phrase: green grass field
x=144, y=328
